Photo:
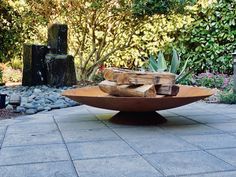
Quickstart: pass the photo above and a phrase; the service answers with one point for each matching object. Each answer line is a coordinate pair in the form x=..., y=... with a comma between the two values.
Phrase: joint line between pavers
x=159, y=170
x=204, y=173
x=32, y=163
x=105, y=157
x=220, y=159
x=65, y=146
x=4, y=135
x=31, y=145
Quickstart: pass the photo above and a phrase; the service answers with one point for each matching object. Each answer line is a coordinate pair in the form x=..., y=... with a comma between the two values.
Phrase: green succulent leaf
x=174, y=62
x=161, y=63
x=180, y=78
x=153, y=64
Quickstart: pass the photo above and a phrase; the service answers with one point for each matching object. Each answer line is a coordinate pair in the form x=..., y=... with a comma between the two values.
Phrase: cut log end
x=127, y=90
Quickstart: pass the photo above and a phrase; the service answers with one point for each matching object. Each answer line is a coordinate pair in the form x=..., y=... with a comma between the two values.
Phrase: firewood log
x=171, y=90
x=128, y=77
x=127, y=90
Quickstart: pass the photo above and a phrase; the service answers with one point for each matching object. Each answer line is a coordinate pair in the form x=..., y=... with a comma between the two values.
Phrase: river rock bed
x=36, y=99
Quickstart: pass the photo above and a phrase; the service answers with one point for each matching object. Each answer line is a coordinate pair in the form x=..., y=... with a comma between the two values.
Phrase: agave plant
x=160, y=65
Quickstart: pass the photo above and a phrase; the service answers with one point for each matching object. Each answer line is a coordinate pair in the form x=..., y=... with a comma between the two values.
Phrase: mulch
x=8, y=114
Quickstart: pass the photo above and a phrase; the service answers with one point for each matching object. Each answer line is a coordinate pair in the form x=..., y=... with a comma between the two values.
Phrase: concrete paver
x=208, y=119
x=128, y=166
x=228, y=155
x=194, y=129
x=184, y=163
x=51, y=169
x=199, y=140
x=226, y=127
x=98, y=149
x=77, y=126
x=75, y=118
x=160, y=143
x=89, y=135
x=2, y=133
x=212, y=141
x=32, y=138
x=33, y=154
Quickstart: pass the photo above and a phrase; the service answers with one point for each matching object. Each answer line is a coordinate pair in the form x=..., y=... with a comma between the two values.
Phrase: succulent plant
x=159, y=65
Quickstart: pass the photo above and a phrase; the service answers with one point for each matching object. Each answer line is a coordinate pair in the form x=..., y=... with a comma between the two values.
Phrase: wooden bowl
x=93, y=96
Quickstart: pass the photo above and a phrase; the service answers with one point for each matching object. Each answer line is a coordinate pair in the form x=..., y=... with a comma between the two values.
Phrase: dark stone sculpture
x=34, y=72
x=49, y=64
x=60, y=70
x=57, y=38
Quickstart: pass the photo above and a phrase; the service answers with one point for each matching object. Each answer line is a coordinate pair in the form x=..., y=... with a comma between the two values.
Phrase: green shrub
x=219, y=81
x=11, y=75
x=10, y=32
x=227, y=97
x=210, y=39
x=1, y=81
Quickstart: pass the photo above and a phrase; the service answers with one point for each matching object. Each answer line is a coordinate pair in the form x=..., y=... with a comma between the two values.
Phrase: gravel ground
x=37, y=99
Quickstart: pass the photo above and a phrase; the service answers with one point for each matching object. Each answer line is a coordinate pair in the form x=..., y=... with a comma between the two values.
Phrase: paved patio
x=199, y=140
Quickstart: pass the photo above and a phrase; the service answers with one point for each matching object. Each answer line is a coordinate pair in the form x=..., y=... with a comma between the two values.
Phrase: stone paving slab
x=52, y=169
x=75, y=118
x=218, y=174
x=226, y=127
x=56, y=143
x=2, y=133
x=32, y=138
x=177, y=120
x=77, y=126
x=209, y=119
x=185, y=163
x=187, y=112
x=194, y=129
x=160, y=143
x=99, y=149
x=138, y=132
x=228, y=155
x=33, y=154
x=36, y=119
x=129, y=166
x=212, y=141
x=89, y=135
x=32, y=128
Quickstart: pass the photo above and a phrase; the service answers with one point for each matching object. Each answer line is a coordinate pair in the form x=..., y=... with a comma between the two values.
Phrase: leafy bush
x=151, y=7
x=10, y=32
x=1, y=80
x=210, y=39
x=227, y=97
x=11, y=75
x=210, y=80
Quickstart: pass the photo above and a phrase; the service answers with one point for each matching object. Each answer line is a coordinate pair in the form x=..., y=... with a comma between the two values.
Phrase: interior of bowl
x=185, y=91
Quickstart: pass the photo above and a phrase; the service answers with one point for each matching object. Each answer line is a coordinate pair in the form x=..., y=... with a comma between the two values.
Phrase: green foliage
x=159, y=65
x=11, y=75
x=153, y=34
x=1, y=80
x=227, y=97
x=108, y=32
x=210, y=39
x=210, y=80
x=151, y=7
x=175, y=62
x=10, y=32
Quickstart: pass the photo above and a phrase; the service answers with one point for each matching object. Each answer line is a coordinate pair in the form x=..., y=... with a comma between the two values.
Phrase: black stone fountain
x=49, y=64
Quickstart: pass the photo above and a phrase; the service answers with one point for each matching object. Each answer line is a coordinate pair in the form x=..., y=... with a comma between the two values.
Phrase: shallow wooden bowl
x=93, y=96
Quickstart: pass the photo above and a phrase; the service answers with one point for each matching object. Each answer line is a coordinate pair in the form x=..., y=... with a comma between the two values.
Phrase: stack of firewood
x=127, y=83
